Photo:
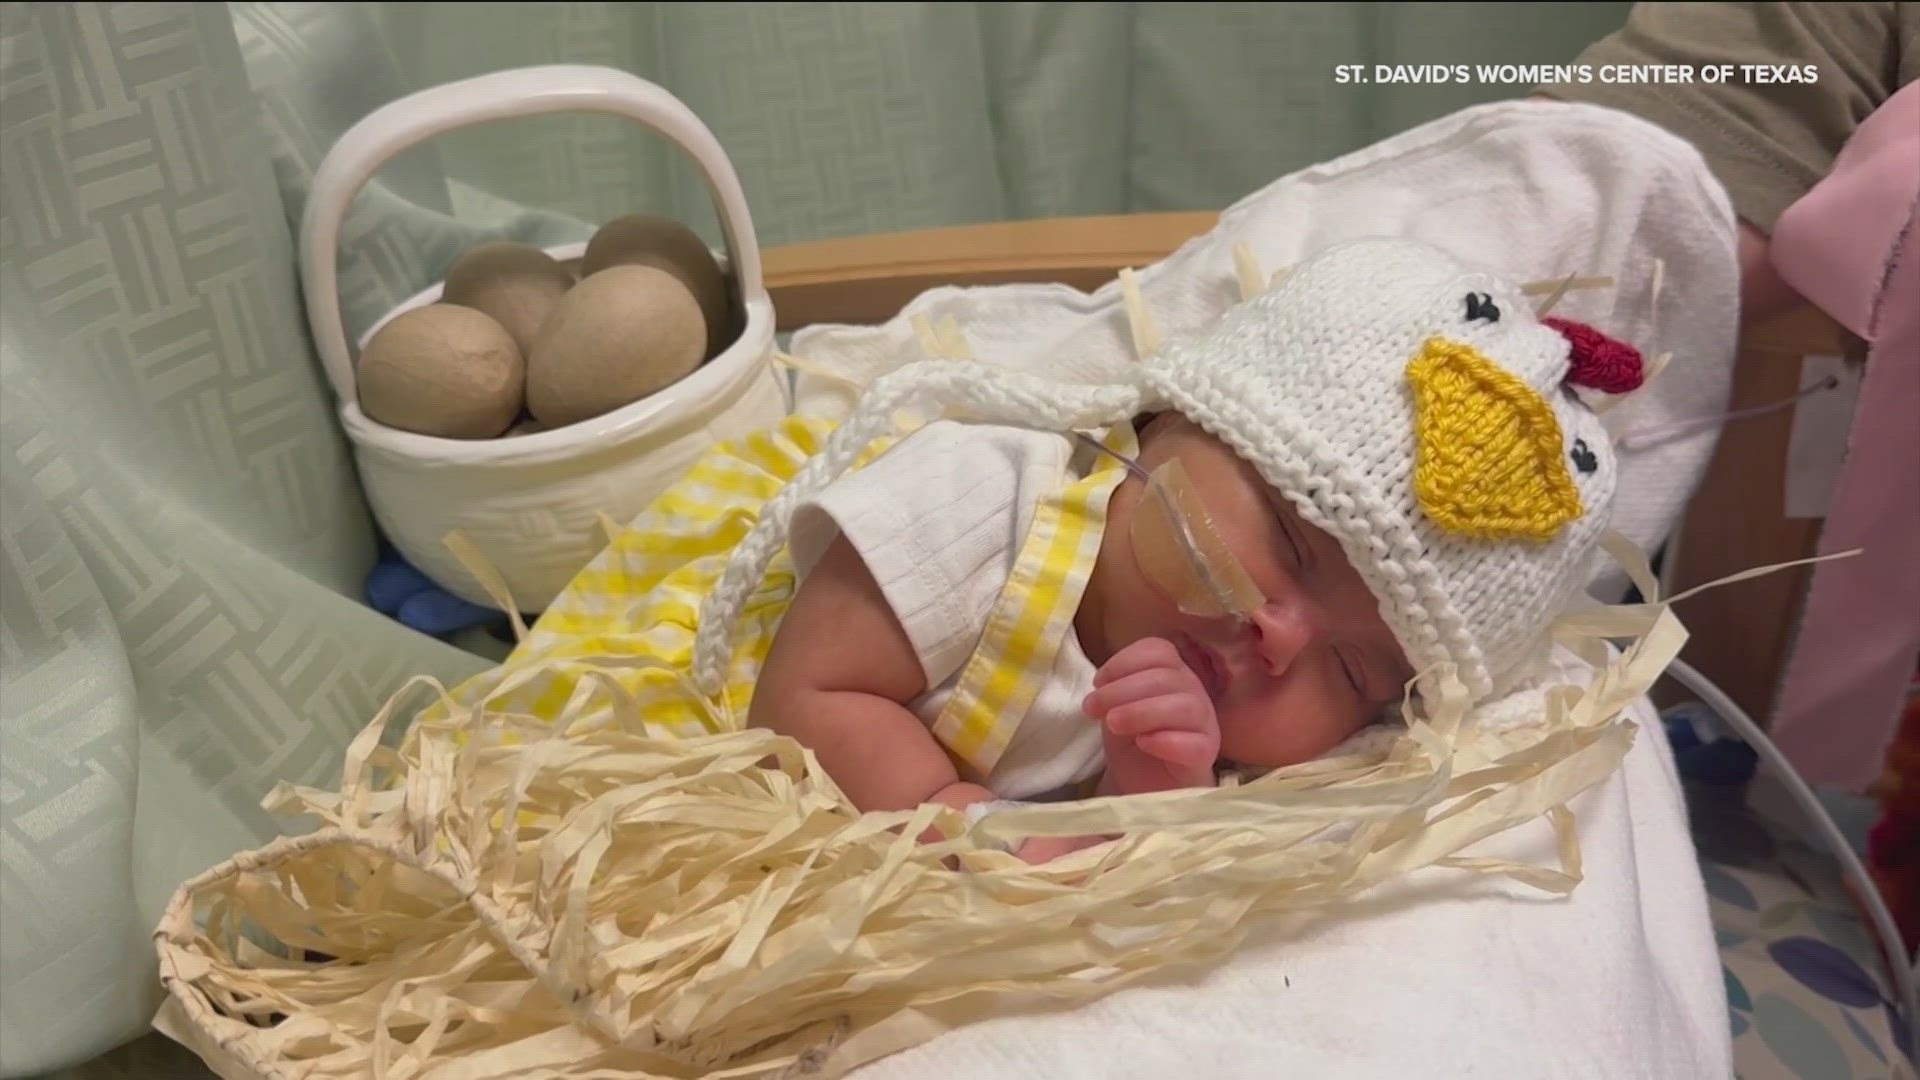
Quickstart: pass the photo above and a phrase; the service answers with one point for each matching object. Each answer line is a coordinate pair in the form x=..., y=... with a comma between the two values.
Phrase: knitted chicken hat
x=1413, y=408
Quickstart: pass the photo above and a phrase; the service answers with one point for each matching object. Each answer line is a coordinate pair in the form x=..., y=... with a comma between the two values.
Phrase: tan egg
x=442, y=370
x=616, y=337
x=517, y=284
x=653, y=240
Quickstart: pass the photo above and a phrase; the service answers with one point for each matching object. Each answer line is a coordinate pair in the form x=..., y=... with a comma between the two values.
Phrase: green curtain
x=854, y=118
x=182, y=532
x=182, y=537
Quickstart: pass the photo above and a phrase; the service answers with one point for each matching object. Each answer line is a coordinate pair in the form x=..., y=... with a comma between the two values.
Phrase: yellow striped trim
x=1033, y=615
x=629, y=618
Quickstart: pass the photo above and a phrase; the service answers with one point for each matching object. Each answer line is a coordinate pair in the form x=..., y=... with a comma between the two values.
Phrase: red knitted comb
x=1599, y=361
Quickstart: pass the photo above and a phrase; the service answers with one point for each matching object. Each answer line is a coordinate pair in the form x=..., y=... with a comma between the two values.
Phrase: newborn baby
x=1381, y=467
x=1176, y=690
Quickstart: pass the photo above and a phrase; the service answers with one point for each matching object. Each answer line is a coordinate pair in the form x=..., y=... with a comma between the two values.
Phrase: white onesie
x=939, y=520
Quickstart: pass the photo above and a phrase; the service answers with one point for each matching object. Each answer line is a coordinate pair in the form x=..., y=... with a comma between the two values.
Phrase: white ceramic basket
x=531, y=503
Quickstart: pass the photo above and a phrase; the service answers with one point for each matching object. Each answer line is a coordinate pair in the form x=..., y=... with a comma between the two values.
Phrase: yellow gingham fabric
x=630, y=617
x=1034, y=614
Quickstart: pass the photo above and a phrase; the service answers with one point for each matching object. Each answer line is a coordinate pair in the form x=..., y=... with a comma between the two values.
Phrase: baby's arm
x=837, y=678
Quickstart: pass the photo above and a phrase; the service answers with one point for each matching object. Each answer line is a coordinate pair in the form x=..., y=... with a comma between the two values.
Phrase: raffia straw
x=819, y=371
x=488, y=576
x=1146, y=337
x=1246, y=270
x=953, y=340
x=1658, y=365
x=573, y=897
x=1604, y=404
x=944, y=341
x=1556, y=291
x=1565, y=285
x=924, y=333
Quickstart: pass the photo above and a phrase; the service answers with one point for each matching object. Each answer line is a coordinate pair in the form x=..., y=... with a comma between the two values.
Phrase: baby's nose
x=1282, y=630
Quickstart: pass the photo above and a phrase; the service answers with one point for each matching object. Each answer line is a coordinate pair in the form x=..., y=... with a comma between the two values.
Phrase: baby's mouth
x=1205, y=663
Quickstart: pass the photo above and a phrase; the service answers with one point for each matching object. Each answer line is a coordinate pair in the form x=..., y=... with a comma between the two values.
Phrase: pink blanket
x=1852, y=247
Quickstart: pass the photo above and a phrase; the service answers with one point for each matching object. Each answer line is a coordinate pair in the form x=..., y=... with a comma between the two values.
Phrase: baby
x=1174, y=692
x=1381, y=467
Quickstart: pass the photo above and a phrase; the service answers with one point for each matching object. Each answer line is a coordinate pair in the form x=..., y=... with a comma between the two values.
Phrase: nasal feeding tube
x=1178, y=547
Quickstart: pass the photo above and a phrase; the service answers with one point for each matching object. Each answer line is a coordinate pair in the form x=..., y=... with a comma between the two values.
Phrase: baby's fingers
x=1176, y=712
x=1187, y=748
x=1152, y=682
x=1139, y=656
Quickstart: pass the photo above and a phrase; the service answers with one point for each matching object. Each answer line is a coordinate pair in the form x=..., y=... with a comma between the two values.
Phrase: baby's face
x=1308, y=669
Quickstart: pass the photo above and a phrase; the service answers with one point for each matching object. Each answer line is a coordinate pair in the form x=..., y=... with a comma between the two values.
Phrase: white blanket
x=1442, y=975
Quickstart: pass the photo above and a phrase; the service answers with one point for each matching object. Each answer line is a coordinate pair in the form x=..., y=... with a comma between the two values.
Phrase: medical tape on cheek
x=1179, y=549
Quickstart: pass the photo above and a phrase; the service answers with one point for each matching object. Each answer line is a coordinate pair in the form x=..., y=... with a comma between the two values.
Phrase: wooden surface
x=867, y=279
x=1736, y=521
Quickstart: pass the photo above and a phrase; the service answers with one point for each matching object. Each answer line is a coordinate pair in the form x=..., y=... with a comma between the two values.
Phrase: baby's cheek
x=1331, y=734
x=1274, y=737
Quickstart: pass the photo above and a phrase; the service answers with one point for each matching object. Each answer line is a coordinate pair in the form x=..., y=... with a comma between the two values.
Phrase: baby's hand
x=1161, y=731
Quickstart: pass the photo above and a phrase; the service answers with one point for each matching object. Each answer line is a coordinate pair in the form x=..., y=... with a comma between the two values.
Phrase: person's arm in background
x=1762, y=292
x=1767, y=142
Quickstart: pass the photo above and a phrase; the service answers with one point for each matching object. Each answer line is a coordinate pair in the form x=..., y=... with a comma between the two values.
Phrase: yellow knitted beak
x=1489, y=462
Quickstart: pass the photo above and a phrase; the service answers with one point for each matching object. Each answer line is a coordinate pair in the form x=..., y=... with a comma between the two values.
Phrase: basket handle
x=501, y=95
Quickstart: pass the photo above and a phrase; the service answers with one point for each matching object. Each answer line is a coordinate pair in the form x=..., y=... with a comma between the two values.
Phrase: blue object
x=1826, y=971
x=438, y=612
x=1680, y=731
x=1722, y=763
x=392, y=582
x=397, y=589
x=1702, y=753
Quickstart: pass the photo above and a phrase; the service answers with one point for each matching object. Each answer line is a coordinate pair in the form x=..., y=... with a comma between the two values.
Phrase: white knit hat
x=1412, y=408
